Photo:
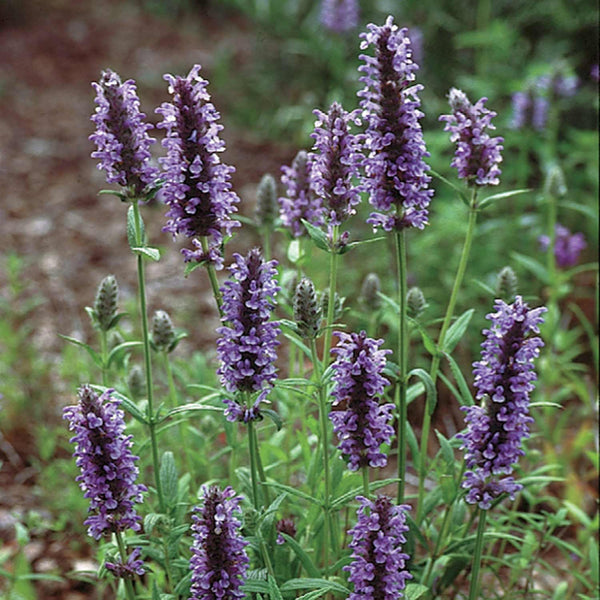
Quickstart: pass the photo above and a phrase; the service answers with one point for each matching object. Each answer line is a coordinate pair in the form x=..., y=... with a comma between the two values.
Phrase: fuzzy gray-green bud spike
x=267, y=207
x=506, y=284
x=338, y=304
x=163, y=334
x=307, y=312
x=415, y=302
x=555, y=184
x=369, y=291
x=105, y=304
x=289, y=287
x=136, y=382
x=114, y=339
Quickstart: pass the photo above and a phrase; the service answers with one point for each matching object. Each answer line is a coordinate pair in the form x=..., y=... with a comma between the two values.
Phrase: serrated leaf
x=457, y=330
x=318, y=236
x=148, y=252
x=303, y=557
x=274, y=591
x=95, y=356
x=183, y=585
x=430, y=391
x=416, y=591
x=501, y=196
x=311, y=583
x=168, y=477
x=256, y=586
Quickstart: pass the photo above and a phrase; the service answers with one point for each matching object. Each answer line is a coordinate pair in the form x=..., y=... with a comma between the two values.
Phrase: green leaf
x=120, y=195
x=256, y=586
x=312, y=583
x=352, y=245
x=294, y=251
x=274, y=416
x=273, y=589
x=126, y=403
x=131, y=235
x=495, y=197
x=148, y=252
x=318, y=236
x=168, y=477
x=342, y=500
x=430, y=391
x=457, y=330
x=416, y=591
x=587, y=211
x=115, y=351
x=191, y=407
x=446, y=448
x=95, y=356
x=457, y=189
x=293, y=492
x=427, y=341
x=466, y=398
x=533, y=266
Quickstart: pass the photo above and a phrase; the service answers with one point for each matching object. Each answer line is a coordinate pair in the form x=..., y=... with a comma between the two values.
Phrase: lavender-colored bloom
x=565, y=85
x=477, y=154
x=595, y=72
x=287, y=526
x=521, y=105
x=539, y=116
x=246, y=347
x=300, y=201
x=567, y=246
x=337, y=160
x=219, y=562
x=529, y=108
x=339, y=16
x=395, y=170
x=360, y=424
x=197, y=185
x=504, y=379
x=121, y=136
x=378, y=569
x=134, y=565
x=108, y=469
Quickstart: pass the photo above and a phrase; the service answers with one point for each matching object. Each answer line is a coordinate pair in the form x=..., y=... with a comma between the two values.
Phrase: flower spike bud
x=416, y=303
x=506, y=285
x=267, y=208
x=307, y=311
x=163, y=334
x=338, y=304
x=555, y=184
x=136, y=382
x=105, y=304
x=369, y=291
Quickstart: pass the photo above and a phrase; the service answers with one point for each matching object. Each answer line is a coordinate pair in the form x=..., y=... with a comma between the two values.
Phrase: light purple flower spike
x=197, y=185
x=395, y=169
x=567, y=246
x=504, y=378
x=339, y=16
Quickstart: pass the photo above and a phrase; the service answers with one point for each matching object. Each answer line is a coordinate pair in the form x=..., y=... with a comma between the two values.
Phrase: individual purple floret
x=359, y=422
x=378, y=569
x=339, y=16
x=300, y=201
x=477, y=154
x=395, y=169
x=504, y=379
x=197, y=184
x=246, y=346
x=567, y=246
x=134, y=565
x=121, y=136
x=337, y=160
x=108, y=469
x=219, y=562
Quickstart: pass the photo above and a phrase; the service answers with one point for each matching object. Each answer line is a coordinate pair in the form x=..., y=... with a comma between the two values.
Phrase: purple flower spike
x=567, y=246
x=219, y=562
x=337, y=162
x=121, y=136
x=339, y=16
x=134, y=565
x=378, y=570
x=246, y=347
x=504, y=379
x=300, y=201
x=477, y=154
x=395, y=169
x=197, y=185
x=108, y=470
x=360, y=423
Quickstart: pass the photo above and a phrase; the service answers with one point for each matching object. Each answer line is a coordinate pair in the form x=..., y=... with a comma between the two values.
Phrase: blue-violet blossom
x=395, y=170
x=339, y=15
x=219, y=562
x=108, y=469
x=504, y=379
x=121, y=136
x=247, y=343
x=477, y=154
x=567, y=246
x=360, y=423
x=378, y=569
x=337, y=160
x=197, y=184
x=128, y=570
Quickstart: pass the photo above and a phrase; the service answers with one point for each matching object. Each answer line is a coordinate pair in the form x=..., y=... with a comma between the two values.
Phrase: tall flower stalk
x=396, y=176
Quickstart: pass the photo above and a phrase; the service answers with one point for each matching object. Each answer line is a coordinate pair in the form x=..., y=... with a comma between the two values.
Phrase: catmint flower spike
x=163, y=334
x=108, y=469
x=105, y=304
x=136, y=382
x=339, y=16
x=369, y=291
x=132, y=567
x=415, y=302
x=307, y=311
x=567, y=246
x=338, y=304
x=506, y=284
x=267, y=208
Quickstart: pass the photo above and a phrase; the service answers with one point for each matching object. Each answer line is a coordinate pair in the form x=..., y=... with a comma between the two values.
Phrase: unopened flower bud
x=369, y=291
x=136, y=382
x=163, y=334
x=287, y=526
x=416, y=303
x=114, y=339
x=289, y=286
x=267, y=207
x=338, y=304
x=555, y=184
x=105, y=305
x=506, y=284
x=307, y=312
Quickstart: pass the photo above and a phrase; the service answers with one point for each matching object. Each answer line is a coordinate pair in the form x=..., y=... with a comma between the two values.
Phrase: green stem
x=331, y=303
x=212, y=276
x=261, y=471
x=474, y=588
x=253, y=467
x=129, y=590
x=104, y=353
x=147, y=358
x=365, y=479
x=400, y=395
x=266, y=236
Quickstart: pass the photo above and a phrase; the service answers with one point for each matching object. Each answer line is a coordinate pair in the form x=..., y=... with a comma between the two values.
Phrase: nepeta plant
x=339, y=16
x=567, y=246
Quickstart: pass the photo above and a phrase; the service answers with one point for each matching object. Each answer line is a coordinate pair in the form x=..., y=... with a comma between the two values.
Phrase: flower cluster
x=108, y=469
x=246, y=346
x=395, y=169
x=359, y=422
x=219, y=562
x=121, y=135
x=477, y=154
x=339, y=15
x=337, y=160
x=128, y=570
x=197, y=184
x=378, y=569
x=567, y=246
x=300, y=201
x=529, y=107
x=504, y=379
